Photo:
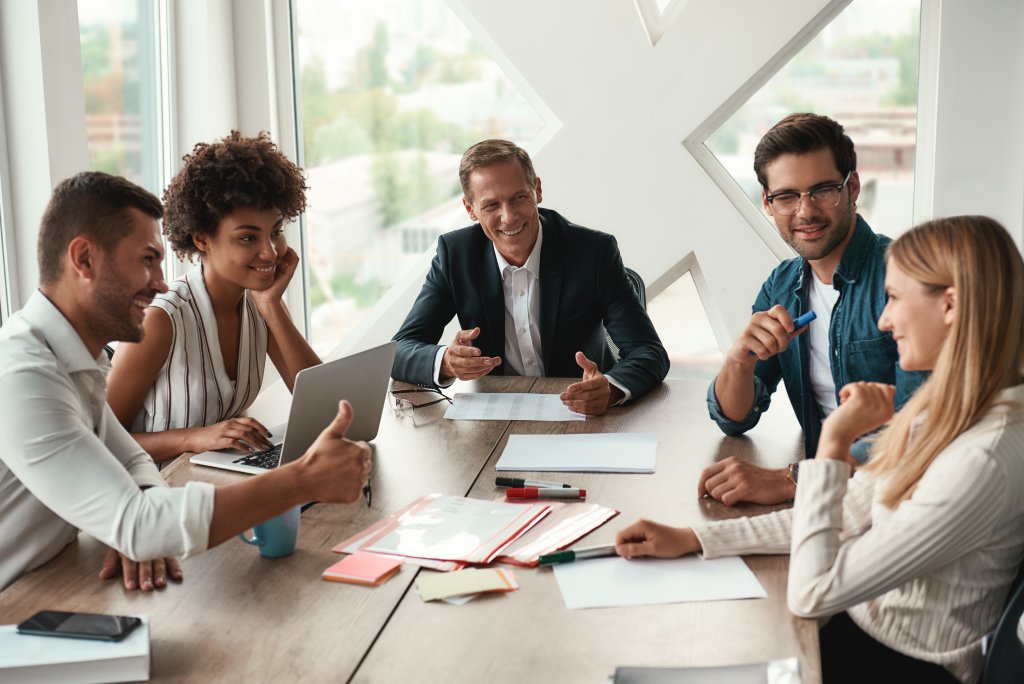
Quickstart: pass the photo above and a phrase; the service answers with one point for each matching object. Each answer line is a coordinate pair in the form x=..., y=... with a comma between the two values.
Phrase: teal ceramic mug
x=276, y=537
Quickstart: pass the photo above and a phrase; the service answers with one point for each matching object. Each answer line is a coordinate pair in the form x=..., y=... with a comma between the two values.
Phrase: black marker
x=520, y=482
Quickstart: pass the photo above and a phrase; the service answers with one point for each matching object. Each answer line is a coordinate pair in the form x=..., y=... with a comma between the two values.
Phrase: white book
x=31, y=659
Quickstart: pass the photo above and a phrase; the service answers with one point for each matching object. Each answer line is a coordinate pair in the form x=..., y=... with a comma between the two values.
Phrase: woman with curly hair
x=201, y=360
x=913, y=557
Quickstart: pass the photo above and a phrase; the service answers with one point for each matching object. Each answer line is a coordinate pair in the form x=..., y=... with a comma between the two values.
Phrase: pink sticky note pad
x=363, y=568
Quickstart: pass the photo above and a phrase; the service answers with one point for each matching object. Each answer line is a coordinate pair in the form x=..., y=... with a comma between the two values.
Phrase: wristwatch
x=793, y=471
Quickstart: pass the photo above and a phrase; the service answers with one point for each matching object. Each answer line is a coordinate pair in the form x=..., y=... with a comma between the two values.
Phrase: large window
x=123, y=95
x=862, y=71
x=391, y=93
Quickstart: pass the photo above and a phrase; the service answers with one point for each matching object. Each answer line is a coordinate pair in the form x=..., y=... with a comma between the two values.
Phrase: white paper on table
x=613, y=452
x=509, y=406
x=606, y=582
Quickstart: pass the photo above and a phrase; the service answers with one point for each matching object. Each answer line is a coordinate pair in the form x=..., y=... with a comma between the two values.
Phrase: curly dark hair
x=219, y=177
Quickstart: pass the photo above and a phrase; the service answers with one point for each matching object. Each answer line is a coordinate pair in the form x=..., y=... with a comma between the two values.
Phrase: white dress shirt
x=521, y=288
x=68, y=465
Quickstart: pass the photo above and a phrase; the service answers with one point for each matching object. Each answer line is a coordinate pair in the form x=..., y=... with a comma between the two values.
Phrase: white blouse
x=929, y=578
x=192, y=388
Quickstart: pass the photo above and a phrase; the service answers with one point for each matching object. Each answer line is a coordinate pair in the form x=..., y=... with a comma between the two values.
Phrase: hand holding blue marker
x=800, y=322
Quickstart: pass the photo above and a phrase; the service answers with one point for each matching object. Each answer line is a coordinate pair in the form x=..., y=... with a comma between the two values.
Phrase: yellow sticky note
x=439, y=585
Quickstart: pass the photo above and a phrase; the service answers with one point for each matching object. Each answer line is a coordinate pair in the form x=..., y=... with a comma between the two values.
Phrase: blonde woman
x=913, y=557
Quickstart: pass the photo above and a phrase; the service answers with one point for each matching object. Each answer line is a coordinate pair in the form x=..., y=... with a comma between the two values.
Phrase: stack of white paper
x=613, y=452
x=605, y=582
x=509, y=406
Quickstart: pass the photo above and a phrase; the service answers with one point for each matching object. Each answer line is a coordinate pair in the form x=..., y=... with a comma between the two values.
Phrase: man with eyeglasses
x=533, y=292
x=807, y=168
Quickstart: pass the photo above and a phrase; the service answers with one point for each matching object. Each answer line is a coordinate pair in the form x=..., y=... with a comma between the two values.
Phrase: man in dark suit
x=531, y=291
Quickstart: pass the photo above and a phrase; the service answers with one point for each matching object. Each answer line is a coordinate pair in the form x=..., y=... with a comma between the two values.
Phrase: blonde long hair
x=983, y=352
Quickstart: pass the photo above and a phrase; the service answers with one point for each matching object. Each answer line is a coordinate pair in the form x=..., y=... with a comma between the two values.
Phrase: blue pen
x=797, y=324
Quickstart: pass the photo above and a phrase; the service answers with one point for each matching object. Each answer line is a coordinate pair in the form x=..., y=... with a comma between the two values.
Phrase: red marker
x=544, y=493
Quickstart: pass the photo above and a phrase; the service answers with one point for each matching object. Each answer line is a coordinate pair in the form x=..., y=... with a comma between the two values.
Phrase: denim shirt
x=858, y=350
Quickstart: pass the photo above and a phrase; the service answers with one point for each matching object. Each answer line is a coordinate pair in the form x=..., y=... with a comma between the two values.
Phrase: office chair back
x=1004, y=662
x=640, y=290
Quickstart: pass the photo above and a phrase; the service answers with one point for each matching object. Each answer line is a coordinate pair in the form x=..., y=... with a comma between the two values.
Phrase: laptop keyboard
x=262, y=459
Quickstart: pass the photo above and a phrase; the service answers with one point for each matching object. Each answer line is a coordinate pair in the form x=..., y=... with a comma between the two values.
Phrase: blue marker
x=804, y=320
x=797, y=324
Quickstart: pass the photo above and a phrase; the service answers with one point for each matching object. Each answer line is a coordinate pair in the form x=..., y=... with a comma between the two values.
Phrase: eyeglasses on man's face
x=822, y=197
x=401, y=404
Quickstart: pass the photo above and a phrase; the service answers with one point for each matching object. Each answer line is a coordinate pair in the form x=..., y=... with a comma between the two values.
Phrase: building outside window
x=121, y=76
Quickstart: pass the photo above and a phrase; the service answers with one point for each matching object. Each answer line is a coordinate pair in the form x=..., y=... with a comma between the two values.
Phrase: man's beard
x=839, y=229
x=113, y=311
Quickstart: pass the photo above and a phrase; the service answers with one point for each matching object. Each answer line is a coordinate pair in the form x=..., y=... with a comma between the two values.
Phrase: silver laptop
x=361, y=378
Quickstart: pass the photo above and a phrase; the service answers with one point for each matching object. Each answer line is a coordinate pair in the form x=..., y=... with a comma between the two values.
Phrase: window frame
x=8, y=279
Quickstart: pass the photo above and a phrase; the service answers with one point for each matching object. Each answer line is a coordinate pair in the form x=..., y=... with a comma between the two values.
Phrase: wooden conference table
x=241, y=617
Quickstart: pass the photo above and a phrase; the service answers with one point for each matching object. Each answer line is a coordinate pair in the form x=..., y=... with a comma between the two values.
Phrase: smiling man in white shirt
x=67, y=464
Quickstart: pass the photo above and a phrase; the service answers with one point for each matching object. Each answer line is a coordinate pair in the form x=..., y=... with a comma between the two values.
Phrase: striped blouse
x=192, y=388
x=928, y=578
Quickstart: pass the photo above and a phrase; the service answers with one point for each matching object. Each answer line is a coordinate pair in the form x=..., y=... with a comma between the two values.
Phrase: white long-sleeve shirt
x=67, y=464
x=928, y=578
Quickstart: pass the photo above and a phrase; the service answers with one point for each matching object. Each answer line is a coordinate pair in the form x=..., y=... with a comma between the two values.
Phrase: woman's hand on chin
x=287, y=264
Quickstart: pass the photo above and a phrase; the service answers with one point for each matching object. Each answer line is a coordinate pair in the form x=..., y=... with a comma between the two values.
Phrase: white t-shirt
x=822, y=299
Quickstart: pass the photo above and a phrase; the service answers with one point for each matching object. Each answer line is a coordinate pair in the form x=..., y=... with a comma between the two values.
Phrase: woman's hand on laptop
x=336, y=467
x=243, y=434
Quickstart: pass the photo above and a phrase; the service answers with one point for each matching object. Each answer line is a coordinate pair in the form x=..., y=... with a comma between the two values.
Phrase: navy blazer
x=582, y=285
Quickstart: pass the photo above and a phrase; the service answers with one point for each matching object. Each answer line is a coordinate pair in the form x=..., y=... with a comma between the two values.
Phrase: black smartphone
x=79, y=625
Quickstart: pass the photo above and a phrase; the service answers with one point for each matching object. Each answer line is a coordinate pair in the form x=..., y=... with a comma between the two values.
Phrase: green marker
x=570, y=555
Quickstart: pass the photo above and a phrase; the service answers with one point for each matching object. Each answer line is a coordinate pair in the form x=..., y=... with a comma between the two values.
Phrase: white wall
x=979, y=112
